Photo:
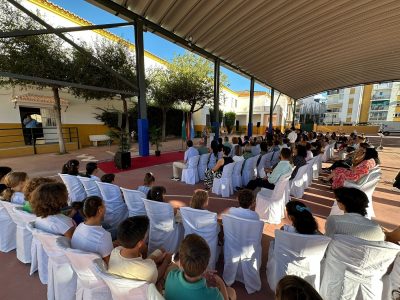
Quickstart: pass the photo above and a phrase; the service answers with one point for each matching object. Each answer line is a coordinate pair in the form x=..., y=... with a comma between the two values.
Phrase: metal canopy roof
x=299, y=47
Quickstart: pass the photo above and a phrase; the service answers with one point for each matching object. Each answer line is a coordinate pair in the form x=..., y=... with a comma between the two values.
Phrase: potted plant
x=155, y=139
x=122, y=157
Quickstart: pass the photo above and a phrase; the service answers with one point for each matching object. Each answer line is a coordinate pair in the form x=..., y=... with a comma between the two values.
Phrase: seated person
x=237, y=156
x=108, y=178
x=299, y=159
x=3, y=172
x=192, y=281
x=310, y=155
x=71, y=168
x=30, y=186
x=226, y=142
x=216, y=172
x=178, y=165
x=47, y=202
x=15, y=182
x=91, y=170
x=292, y=287
x=246, y=206
x=202, y=148
x=199, y=199
x=247, y=151
x=302, y=220
x=282, y=168
x=354, y=203
x=129, y=260
x=90, y=236
x=157, y=193
x=148, y=182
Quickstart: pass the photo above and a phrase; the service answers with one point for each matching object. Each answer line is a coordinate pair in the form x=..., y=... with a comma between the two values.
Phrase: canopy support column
x=294, y=111
x=216, y=123
x=142, y=122
x=271, y=111
x=251, y=103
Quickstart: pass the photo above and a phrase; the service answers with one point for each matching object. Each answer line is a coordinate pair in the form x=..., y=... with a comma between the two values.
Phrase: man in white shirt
x=90, y=236
x=292, y=136
x=246, y=202
x=178, y=166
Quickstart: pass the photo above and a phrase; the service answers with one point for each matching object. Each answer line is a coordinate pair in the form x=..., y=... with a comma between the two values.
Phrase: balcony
x=380, y=108
x=380, y=97
x=383, y=86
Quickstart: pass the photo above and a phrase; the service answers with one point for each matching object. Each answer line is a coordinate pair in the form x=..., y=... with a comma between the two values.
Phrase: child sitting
x=199, y=199
x=89, y=235
x=157, y=193
x=3, y=172
x=247, y=203
x=147, y=183
x=47, y=201
x=301, y=217
x=191, y=281
x=30, y=186
x=108, y=178
x=129, y=260
x=91, y=170
x=15, y=182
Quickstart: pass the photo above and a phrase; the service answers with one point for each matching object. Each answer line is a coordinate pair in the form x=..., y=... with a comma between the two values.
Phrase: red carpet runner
x=143, y=162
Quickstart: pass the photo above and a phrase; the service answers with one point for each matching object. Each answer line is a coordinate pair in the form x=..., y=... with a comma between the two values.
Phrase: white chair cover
x=88, y=286
x=190, y=175
x=310, y=170
x=61, y=278
x=134, y=202
x=223, y=186
x=116, y=210
x=353, y=268
x=316, y=165
x=242, y=252
x=126, y=289
x=24, y=236
x=237, y=174
x=270, y=204
x=201, y=168
x=76, y=191
x=273, y=159
x=8, y=229
x=296, y=254
x=391, y=281
x=164, y=231
x=262, y=163
x=39, y=256
x=326, y=155
x=249, y=171
x=299, y=183
x=368, y=186
x=90, y=186
x=203, y=223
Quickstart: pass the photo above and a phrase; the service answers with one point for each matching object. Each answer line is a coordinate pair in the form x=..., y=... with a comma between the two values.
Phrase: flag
x=183, y=129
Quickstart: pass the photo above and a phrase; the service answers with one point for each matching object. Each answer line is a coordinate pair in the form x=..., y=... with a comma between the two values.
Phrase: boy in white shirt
x=246, y=202
x=129, y=260
x=89, y=236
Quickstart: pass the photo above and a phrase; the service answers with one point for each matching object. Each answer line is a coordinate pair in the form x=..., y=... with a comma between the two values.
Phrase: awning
x=37, y=100
x=299, y=47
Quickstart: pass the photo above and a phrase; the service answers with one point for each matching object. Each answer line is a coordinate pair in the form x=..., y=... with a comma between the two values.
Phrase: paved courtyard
x=15, y=276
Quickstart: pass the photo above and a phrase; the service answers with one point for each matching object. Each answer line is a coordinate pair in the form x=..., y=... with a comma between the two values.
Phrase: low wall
x=346, y=129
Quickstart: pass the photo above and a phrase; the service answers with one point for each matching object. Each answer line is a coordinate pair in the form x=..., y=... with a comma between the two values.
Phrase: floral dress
x=340, y=175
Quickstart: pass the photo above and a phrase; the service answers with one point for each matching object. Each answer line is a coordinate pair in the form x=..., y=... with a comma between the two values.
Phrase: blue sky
x=152, y=42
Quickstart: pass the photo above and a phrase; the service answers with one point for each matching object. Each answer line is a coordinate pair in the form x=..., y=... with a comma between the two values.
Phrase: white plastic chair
x=201, y=168
x=61, y=278
x=367, y=185
x=116, y=210
x=190, y=175
x=164, y=231
x=249, y=171
x=8, y=229
x=296, y=254
x=203, y=223
x=237, y=174
x=88, y=286
x=76, y=191
x=391, y=281
x=299, y=183
x=24, y=236
x=261, y=165
x=326, y=155
x=223, y=186
x=134, y=202
x=242, y=252
x=270, y=204
x=90, y=186
x=273, y=159
x=316, y=168
x=354, y=268
x=126, y=289
x=310, y=170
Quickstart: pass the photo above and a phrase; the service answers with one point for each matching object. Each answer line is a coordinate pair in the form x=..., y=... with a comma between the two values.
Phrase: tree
x=230, y=118
x=42, y=56
x=161, y=92
x=193, y=80
x=86, y=70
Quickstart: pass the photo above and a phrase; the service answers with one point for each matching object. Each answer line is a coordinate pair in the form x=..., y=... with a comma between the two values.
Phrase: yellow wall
x=347, y=129
x=366, y=103
x=85, y=130
x=7, y=141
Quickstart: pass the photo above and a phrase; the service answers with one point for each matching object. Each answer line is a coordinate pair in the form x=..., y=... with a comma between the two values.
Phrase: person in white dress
x=47, y=201
x=90, y=236
x=15, y=182
x=178, y=165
